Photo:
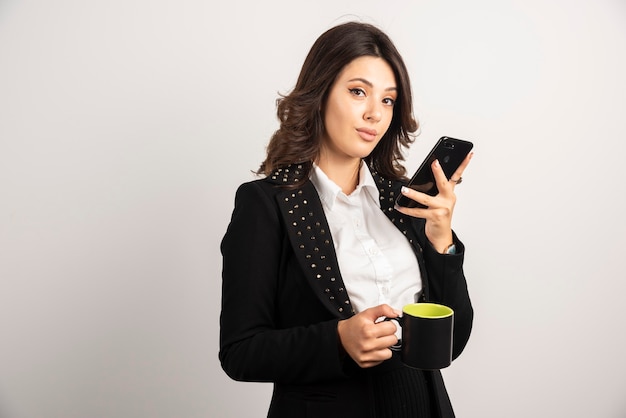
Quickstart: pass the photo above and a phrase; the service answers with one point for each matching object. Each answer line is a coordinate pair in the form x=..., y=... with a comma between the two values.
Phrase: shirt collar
x=329, y=190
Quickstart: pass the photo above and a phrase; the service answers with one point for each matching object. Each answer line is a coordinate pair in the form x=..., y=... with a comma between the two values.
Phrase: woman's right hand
x=366, y=341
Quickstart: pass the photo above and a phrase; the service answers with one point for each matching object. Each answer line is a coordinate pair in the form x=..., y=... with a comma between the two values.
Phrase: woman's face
x=358, y=110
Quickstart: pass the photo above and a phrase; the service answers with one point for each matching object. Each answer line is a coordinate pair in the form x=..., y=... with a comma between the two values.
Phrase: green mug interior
x=427, y=310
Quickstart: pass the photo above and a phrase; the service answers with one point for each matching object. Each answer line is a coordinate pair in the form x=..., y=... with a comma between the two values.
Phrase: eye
x=389, y=101
x=358, y=92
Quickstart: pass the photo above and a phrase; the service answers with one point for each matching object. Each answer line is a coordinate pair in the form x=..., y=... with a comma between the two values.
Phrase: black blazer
x=283, y=294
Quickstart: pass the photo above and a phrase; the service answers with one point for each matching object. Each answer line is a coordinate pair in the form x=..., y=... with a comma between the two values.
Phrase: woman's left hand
x=438, y=214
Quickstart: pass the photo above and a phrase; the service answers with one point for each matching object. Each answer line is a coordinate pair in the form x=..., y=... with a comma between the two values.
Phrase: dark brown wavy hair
x=300, y=112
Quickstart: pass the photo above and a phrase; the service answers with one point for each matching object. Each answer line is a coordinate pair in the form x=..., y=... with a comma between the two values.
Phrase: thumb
x=381, y=310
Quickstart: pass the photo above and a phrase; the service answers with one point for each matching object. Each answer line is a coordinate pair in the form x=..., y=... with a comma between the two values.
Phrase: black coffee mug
x=426, y=335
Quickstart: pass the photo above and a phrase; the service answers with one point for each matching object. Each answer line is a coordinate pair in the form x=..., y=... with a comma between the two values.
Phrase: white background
x=126, y=126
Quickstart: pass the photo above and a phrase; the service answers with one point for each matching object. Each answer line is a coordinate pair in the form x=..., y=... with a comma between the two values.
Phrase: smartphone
x=450, y=152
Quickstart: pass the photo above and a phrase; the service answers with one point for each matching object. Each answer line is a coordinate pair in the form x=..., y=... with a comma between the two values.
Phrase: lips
x=367, y=134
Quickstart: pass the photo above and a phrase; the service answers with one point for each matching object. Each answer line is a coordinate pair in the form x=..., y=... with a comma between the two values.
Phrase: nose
x=373, y=113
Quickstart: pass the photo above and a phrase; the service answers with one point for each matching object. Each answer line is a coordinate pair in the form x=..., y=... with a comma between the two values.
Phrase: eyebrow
x=369, y=83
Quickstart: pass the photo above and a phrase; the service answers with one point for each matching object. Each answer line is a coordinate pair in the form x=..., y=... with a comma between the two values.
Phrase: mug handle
x=397, y=346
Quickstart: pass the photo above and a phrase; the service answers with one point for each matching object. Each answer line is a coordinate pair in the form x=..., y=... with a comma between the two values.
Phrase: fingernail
x=437, y=163
x=404, y=190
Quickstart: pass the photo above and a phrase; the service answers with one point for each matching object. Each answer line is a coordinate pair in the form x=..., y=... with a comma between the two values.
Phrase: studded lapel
x=312, y=243
x=388, y=191
x=311, y=239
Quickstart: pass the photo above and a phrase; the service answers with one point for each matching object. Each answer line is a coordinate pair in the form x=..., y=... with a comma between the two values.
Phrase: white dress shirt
x=376, y=260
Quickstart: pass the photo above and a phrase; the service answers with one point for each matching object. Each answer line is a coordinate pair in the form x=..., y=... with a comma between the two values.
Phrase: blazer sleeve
x=447, y=285
x=252, y=346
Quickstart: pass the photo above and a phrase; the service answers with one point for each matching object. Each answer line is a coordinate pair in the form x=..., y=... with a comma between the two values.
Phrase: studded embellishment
x=387, y=201
x=312, y=241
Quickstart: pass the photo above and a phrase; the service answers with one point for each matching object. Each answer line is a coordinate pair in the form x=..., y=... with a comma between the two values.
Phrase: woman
x=316, y=252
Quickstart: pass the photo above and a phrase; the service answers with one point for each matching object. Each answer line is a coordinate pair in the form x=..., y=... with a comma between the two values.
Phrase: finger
x=440, y=176
x=459, y=171
x=419, y=197
x=379, y=350
x=383, y=310
x=383, y=330
x=445, y=186
x=374, y=358
x=388, y=340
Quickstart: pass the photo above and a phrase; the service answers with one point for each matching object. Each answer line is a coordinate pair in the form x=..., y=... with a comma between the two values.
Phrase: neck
x=345, y=175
